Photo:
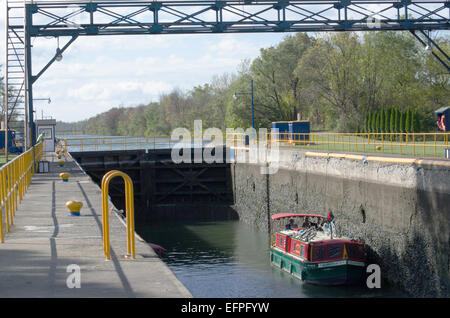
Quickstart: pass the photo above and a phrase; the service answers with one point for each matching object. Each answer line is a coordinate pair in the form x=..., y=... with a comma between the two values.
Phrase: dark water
x=231, y=259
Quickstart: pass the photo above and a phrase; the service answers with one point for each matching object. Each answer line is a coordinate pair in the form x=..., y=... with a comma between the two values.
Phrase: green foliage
x=408, y=121
x=336, y=80
x=369, y=122
x=377, y=122
x=392, y=126
x=401, y=127
x=387, y=118
x=397, y=120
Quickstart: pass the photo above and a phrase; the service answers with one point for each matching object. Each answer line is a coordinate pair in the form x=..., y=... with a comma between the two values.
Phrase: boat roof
x=279, y=216
x=321, y=238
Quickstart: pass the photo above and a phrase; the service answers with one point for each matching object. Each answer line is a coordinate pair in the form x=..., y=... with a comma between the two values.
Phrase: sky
x=101, y=72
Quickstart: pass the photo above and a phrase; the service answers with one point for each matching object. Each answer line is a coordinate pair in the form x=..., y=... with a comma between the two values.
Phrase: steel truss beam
x=67, y=18
x=445, y=61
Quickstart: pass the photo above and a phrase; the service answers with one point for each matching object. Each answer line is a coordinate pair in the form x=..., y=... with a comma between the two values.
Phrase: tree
x=408, y=121
x=387, y=118
x=373, y=122
x=401, y=127
x=416, y=121
x=332, y=69
x=280, y=88
x=397, y=120
x=369, y=122
x=392, y=121
x=377, y=122
x=337, y=80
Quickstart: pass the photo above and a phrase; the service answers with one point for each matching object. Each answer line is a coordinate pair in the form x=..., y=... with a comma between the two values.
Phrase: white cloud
x=97, y=73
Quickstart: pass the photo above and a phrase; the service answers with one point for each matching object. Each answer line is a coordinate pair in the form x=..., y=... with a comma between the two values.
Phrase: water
x=77, y=143
x=230, y=259
x=227, y=259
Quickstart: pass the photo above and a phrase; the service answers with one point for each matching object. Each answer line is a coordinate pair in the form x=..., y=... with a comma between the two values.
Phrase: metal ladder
x=15, y=68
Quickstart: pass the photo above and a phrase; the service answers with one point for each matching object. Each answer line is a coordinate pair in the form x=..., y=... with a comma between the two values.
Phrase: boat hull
x=342, y=272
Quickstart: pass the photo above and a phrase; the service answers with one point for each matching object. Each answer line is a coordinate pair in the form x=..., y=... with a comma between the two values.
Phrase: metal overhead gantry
x=90, y=18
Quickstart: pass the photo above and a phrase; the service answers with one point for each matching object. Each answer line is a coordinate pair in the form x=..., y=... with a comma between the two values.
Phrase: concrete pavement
x=44, y=241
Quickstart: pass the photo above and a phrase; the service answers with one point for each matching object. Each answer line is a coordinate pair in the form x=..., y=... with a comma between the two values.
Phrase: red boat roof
x=336, y=241
x=293, y=215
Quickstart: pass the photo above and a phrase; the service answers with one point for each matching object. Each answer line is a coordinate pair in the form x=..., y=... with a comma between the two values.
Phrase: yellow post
x=390, y=141
x=435, y=137
x=129, y=203
x=2, y=201
x=424, y=144
x=348, y=142
x=328, y=146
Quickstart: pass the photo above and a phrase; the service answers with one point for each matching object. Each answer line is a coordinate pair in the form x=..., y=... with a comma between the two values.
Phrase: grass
x=3, y=159
x=414, y=148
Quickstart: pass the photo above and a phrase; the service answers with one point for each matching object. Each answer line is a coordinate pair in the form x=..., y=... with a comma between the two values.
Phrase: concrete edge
x=176, y=281
x=442, y=163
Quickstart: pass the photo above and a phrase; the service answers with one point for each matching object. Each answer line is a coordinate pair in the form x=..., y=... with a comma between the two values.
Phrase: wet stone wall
x=401, y=211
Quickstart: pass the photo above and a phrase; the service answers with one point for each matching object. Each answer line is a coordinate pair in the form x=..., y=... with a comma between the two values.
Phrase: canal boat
x=310, y=252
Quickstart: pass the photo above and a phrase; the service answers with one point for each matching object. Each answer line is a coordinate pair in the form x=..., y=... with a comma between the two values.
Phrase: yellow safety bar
x=60, y=145
x=15, y=177
x=412, y=144
x=129, y=203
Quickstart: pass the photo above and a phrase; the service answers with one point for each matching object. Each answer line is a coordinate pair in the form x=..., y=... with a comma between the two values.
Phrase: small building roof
x=442, y=110
x=46, y=121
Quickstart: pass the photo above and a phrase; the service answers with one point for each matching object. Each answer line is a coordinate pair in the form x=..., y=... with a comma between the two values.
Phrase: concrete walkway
x=45, y=240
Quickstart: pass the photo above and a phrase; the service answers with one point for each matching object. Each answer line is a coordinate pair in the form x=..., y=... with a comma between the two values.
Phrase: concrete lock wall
x=400, y=210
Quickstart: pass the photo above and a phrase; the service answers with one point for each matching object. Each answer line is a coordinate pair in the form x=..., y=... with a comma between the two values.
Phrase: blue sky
x=98, y=73
x=101, y=72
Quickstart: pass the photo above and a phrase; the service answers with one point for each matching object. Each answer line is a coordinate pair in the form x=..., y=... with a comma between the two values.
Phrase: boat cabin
x=314, y=243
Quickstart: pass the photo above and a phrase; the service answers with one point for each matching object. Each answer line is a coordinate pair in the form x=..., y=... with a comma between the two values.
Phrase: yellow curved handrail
x=15, y=178
x=129, y=204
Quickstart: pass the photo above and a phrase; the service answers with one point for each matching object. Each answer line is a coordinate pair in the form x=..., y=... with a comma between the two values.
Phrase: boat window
x=334, y=251
x=302, y=250
x=354, y=251
x=281, y=241
x=295, y=249
x=318, y=252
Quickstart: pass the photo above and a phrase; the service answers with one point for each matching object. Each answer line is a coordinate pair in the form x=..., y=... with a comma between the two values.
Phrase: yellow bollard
x=64, y=176
x=74, y=207
x=129, y=203
x=61, y=163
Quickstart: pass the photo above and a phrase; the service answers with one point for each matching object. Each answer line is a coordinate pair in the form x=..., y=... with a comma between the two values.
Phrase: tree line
x=343, y=82
x=391, y=120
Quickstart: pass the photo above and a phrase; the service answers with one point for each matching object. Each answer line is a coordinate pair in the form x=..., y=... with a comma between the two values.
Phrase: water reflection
x=231, y=259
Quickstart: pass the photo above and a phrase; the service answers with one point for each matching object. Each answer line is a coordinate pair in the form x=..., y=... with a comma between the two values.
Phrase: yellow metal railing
x=15, y=177
x=61, y=146
x=408, y=144
x=125, y=142
x=129, y=203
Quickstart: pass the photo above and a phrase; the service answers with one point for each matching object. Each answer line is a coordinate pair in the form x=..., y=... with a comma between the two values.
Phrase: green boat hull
x=334, y=273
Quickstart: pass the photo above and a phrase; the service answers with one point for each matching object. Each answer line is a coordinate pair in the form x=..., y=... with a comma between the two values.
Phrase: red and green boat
x=311, y=253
